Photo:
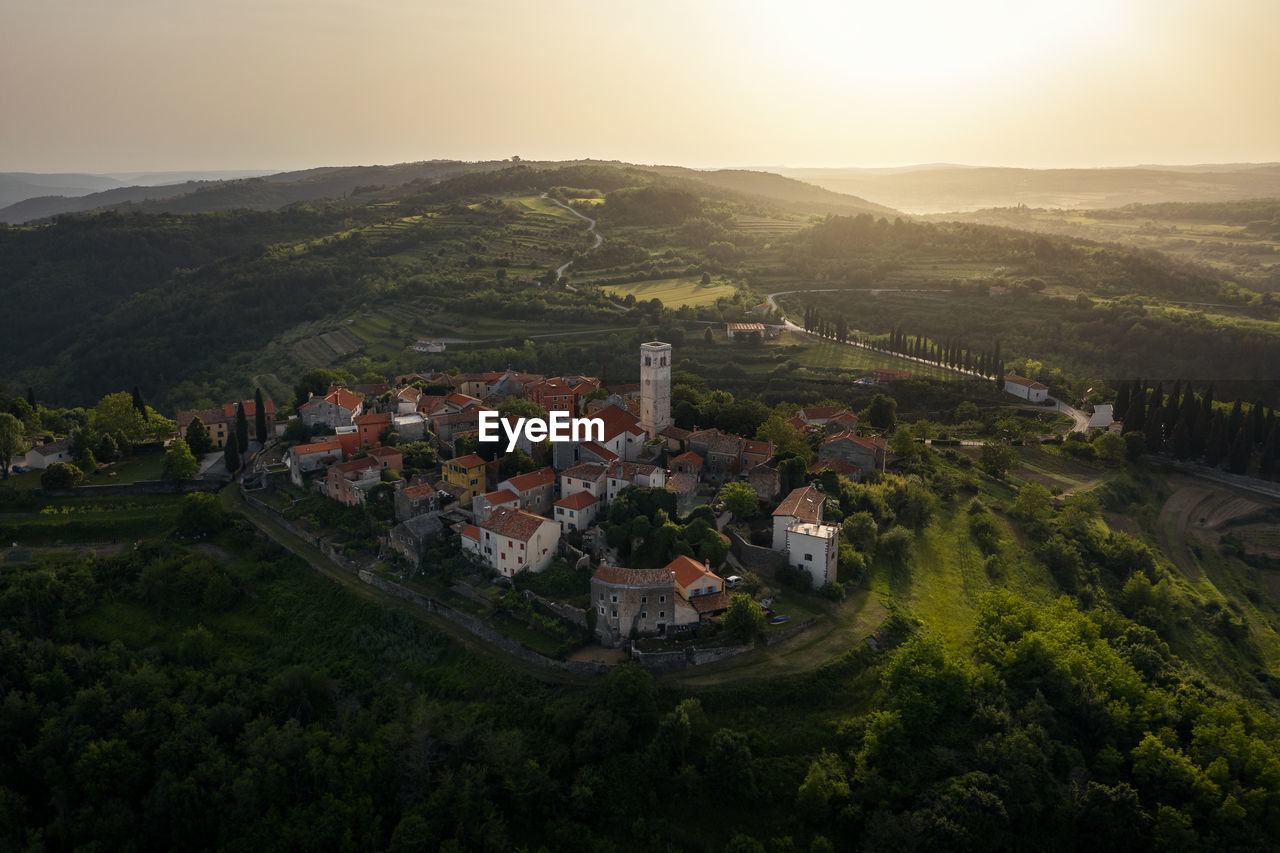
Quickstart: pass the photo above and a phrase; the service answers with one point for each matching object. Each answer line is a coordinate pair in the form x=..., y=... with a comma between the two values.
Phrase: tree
x=117, y=413
x=745, y=618
x=179, y=463
x=136, y=399
x=259, y=417
x=108, y=450
x=231, y=454
x=202, y=513
x=198, y=437
x=60, y=475
x=996, y=459
x=1110, y=448
x=12, y=441
x=1240, y=453
x=883, y=412
x=740, y=499
x=242, y=427
x=708, y=336
x=1034, y=503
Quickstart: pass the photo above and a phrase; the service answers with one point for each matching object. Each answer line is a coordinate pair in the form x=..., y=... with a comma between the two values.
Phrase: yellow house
x=469, y=473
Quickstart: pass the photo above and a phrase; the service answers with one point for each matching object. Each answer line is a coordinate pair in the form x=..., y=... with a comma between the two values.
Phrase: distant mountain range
x=921, y=189
x=938, y=188
x=267, y=192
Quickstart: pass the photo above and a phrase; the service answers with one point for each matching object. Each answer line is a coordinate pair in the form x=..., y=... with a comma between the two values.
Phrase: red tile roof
x=632, y=577
x=713, y=603
x=421, y=490
x=1015, y=379
x=318, y=447
x=618, y=420
x=344, y=398
x=577, y=500
x=386, y=453
x=818, y=413
x=844, y=469
x=373, y=419
x=532, y=480
x=470, y=531
x=758, y=448
x=682, y=483
x=501, y=496
x=585, y=471
x=629, y=470
x=689, y=570
x=690, y=457
x=471, y=460
x=601, y=451
x=514, y=523
x=804, y=504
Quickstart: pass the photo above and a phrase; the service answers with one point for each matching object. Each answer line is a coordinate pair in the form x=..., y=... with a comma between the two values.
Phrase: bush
x=61, y=475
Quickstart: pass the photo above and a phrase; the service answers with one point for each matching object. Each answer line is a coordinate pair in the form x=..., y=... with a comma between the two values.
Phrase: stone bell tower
x=655, y=387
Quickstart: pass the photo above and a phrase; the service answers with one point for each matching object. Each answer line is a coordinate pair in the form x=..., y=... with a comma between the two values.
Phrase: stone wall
x=490, y=635
x=753, y=556
x=142, y=487
x=567, y=612
x=671, y=661
x=788, y=633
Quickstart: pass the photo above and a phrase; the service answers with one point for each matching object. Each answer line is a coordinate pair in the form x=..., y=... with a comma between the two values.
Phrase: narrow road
x=591, y=229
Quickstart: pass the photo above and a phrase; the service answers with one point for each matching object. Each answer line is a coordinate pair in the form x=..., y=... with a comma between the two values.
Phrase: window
x=662, y=614
x=644, y=614
x=615, y=599
x=615, y=614
x=808, y=558
x=662, y=599
x=644, y=599
x=519, y=560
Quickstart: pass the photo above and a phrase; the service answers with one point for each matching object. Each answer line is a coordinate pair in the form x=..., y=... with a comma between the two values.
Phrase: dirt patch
x=1198, y=512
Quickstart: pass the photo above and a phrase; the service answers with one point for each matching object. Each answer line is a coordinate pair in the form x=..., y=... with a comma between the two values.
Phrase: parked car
x=733, y=581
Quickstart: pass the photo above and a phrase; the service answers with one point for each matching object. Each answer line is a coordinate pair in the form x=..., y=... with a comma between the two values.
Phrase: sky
x=151, y=85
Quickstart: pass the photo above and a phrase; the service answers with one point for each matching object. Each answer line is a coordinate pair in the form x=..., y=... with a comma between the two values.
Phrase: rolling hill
x=940, y=189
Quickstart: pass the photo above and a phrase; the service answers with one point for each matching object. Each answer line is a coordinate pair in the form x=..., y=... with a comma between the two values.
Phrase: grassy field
x=830, y=355
x=675, y=292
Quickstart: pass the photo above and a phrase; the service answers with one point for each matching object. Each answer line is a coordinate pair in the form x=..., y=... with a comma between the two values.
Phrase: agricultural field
x=674, y=292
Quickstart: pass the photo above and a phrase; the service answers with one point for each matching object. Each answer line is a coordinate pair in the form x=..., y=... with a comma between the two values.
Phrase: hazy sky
x=131, y=85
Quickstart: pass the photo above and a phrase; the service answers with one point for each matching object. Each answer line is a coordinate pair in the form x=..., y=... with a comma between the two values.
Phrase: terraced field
x=675, y=292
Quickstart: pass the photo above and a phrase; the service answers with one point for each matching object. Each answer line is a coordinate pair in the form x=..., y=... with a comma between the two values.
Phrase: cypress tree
x=1236, y=420
x=1216, y=448
x=231, y=455
x=1241, y=451
x=1256, y=423
x=198, y=437
x=242, y=427
x=259, y=417
x=1267, y=465
x=1170, y=416
x=1189, y=409
x=1136, y=418
x=1154, y=433
x=138, y=404
x=1121, y=406
x=31, y=396
x=1182, y=440
x=1203, y=424
x=999, y=375
x=1155, y=408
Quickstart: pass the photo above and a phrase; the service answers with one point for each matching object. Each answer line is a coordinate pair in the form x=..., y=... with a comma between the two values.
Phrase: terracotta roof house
x=535, y=489
x=482, y=506
x=577, y=511
x=639, y=601
x=335, y=409
x=311, y=457
x=802, y=505
x=512, y=540
x=1026, y=389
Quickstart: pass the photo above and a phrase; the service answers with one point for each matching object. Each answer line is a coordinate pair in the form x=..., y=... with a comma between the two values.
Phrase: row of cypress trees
x=1192, y=426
